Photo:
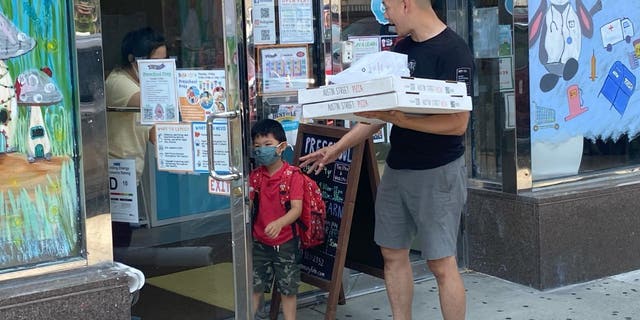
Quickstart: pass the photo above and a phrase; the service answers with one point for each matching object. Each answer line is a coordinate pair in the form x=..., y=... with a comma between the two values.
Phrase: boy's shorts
x=282, y=261
x=427, y=203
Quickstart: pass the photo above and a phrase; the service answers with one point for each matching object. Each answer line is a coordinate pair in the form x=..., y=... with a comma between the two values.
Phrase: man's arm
x=318, y=159
x=454, y=124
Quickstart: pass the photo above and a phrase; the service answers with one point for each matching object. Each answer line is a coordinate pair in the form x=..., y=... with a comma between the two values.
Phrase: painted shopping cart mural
x=545, y=118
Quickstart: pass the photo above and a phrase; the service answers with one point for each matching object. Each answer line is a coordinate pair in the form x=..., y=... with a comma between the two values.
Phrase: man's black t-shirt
x=443, y=57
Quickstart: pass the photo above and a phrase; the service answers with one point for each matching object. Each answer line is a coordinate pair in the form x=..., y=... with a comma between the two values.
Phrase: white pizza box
x=411, y=103
x=381, y=85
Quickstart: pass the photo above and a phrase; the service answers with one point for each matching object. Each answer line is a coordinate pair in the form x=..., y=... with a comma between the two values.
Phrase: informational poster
x=174, y=148
x=123, y=196
x=364, y=45
x=485, y=32
x=284, y=69
x=505, y=69
x=289, y=115
x=264, y=22
x=200, y=154
x=510, y=110
x=221, y=146
x=200, y=93
x=158, y=100
x=505, y=40
x=296, y=21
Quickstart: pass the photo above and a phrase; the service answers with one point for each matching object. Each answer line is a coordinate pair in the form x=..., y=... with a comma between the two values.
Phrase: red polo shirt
x=270, y=208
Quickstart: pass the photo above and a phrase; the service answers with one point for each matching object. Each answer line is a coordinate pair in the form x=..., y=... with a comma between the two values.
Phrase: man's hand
x=318, y=159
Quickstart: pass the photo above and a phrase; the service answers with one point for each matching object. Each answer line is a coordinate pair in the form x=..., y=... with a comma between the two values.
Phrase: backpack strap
x=285, y=196
x=285, y=187
x=256, y=180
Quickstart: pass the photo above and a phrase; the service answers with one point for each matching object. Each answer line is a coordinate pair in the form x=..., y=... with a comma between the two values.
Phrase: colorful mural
x=584, y=57
x=39, y=203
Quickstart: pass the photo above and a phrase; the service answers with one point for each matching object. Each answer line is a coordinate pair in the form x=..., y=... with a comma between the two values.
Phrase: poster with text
x=289, y=115
x=158, y=101
x=264, y=22
x=200, y=93
x=174, y=148
x=200, y=150
x=296, y=21
x=284, y=69
x=123, y=193
x=364, y=45
x=220, y=137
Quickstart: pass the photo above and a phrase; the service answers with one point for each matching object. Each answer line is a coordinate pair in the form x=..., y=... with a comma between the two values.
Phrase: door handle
x=234, y=173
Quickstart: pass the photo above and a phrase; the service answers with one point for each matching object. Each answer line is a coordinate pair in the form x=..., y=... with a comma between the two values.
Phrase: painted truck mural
x=39, y=202
x=583, y=81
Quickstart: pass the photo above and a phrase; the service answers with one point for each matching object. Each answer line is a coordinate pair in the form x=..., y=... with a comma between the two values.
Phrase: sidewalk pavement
x=489, y=298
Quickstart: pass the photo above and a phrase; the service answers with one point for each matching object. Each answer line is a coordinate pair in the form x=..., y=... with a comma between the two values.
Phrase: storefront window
x=40, y=210
x=491, y=42
x=583, y=84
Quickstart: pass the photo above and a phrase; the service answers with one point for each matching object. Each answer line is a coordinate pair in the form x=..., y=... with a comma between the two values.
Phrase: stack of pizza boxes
x=407, y=94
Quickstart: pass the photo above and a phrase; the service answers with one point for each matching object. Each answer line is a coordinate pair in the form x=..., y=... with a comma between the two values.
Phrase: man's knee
x=444, y=267
x=394, y=255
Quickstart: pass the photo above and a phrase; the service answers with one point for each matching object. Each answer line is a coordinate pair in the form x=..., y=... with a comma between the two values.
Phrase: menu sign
x=332, y=180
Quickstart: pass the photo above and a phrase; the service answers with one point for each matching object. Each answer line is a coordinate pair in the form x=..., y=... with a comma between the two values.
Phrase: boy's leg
x=289, y=307
x=287, y=272
x=255, y=303
x=263, y=274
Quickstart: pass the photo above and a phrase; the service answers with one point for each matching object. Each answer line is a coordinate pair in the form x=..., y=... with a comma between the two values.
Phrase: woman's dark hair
x=265, y=127
x=140, y=43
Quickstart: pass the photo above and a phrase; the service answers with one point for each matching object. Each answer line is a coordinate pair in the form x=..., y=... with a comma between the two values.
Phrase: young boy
x=276, y=251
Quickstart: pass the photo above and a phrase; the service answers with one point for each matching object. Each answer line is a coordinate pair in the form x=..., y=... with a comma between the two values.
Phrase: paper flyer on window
x=174, y=148
x=264, y=22
x=200, y=93
x=158, y=100
x=123, y=193
x=296, y=21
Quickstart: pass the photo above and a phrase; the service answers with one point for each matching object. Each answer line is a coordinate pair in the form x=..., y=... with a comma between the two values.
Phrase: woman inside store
x=127, y=137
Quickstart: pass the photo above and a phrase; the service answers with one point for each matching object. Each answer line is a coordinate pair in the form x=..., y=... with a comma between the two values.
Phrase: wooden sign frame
x=361, y=184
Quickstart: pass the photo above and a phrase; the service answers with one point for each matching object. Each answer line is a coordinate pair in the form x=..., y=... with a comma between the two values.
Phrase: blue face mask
x=266, y=155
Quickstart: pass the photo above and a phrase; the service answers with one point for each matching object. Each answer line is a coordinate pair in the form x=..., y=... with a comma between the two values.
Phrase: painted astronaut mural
x=560, y=28
x=584, y=59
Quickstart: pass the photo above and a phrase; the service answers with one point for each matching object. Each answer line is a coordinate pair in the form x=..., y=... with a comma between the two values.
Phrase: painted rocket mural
x=39, y=192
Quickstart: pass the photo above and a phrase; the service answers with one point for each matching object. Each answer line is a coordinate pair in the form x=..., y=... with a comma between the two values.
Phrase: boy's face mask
x=266, y=155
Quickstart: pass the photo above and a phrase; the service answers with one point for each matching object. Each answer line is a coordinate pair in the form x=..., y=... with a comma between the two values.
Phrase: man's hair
x=140, y=43
x=265, y=127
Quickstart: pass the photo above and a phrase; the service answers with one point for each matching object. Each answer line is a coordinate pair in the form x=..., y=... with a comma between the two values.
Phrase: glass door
x=188, y=231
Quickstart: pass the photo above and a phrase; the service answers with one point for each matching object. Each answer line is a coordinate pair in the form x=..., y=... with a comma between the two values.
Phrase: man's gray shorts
x=427, y=203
